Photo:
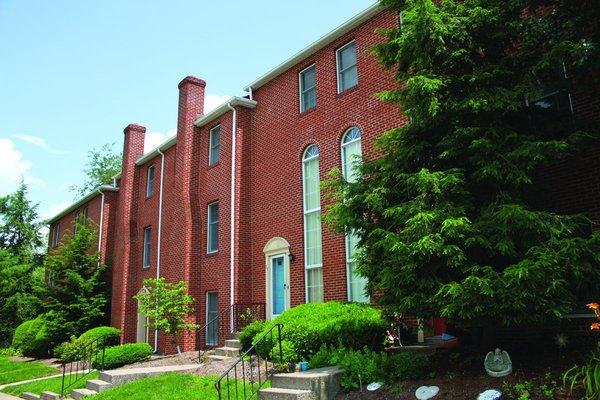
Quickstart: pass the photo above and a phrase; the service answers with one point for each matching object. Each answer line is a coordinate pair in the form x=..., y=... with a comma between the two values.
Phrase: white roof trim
x=318, y=45
x=82, y=201
x=200, y=121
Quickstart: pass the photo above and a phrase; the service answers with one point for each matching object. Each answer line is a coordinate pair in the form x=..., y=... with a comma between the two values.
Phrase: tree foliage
x=448, y=218
x=77, y=295
x=102, y=165
x=167, y=306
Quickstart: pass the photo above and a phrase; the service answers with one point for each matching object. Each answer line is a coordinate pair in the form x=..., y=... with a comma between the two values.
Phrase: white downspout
x=232, y=213
x=159, y=235
x=101, y=222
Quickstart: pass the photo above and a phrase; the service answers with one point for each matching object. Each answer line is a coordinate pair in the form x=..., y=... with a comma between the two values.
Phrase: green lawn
x=171, y=386
x=51, y=384
x=15, y=371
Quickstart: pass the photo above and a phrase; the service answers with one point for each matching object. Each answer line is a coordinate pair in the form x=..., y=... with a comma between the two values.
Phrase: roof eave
x=82, y=201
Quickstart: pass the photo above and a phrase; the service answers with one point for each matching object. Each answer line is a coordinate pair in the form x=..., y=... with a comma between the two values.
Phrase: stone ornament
x=490, y=394
x=426, y=392
x=498, y=364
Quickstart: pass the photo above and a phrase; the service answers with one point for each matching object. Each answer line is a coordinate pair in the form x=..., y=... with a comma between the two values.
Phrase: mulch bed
x=462, y=376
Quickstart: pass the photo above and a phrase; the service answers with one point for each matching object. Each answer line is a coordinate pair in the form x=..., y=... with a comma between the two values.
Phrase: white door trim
x=276, y=247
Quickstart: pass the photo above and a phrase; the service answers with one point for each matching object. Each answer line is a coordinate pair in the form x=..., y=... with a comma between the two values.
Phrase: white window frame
x=208, y=226
x=302, y=91
x=337, y=66
x=146, y=258
x=210, y=145
x=56, y=235
x=150, y=187
x=304, y=214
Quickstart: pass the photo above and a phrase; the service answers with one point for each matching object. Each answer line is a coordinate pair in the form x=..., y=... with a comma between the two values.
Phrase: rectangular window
x=308, y=88
x=212, y=320
x=85, y=214
x=213, y=228
x=56, y=235
x=150, y=182
x=147, y=246
x=214, y=142
x=347, y=70
x=77, y=221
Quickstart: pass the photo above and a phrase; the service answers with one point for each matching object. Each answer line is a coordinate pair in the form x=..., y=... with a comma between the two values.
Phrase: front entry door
x=212, y=311
x=278, y=285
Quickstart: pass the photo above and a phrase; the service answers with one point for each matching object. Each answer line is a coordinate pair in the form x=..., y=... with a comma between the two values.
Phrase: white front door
x=279, y=285
x=142, y=328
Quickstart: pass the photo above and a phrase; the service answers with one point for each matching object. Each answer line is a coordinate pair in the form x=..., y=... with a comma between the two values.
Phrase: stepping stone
x=426, y=392
x=97, y=385
x=79, y=393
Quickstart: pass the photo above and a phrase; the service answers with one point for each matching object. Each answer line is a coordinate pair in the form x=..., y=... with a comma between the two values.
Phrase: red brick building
x=232, y=204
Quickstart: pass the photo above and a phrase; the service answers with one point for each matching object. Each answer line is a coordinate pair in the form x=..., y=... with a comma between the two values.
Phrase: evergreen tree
x=102, y=165
x=77, y=296
x=447, y=217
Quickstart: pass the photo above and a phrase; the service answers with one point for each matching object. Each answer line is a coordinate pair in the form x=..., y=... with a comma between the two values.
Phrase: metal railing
x=253, y=368
x=228, y=321
x=81, y=362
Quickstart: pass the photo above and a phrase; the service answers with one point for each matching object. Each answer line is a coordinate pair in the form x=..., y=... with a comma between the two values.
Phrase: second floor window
x=150, y=182
x=55, y=235
x=147, y=246
x=212, y=236
x=347, y=70
x=214, y=143
x=308, y=88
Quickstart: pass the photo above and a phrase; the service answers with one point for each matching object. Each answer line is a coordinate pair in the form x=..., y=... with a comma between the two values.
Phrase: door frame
x=275, y=248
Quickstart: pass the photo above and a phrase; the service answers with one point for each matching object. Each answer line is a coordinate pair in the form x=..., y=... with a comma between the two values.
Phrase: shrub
x=31, y=338
x=72, y=350
x=309, y=326
x=249, y=332
x=404, y=365
x=360, y=367
x=118, y=356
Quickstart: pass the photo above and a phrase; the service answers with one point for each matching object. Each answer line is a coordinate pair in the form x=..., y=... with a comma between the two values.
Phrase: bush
x=118, y=356
x=404, y=365
x=309, y=326
x=31, y=338
x=249, y=332
x=72, y=350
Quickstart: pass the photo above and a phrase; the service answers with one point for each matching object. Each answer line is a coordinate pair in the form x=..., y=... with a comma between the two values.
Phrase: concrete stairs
x=316, y=384
x=113, y=378
x=232, y=348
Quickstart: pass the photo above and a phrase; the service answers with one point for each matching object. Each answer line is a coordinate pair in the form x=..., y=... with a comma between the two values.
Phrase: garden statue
x=498, y=364
x=426, y=392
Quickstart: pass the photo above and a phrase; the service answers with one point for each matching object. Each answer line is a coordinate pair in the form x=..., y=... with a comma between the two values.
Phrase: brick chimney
x=126, y=228
x=191, y=105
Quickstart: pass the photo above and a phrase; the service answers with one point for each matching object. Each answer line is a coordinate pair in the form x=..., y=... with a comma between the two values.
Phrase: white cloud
x=39, y=142
x=154, y=139
x=212, y=101
x=14, y=168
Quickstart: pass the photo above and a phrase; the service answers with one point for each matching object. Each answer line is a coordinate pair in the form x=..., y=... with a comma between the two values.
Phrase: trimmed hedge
x=71, y=351
x=31, y=338
x=307, y=327
x=249, y=332
x=125, y=354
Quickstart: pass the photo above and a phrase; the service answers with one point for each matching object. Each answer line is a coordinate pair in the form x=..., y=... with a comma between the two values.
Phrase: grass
x=172, y=386
x=16, y=371
x=51, y=384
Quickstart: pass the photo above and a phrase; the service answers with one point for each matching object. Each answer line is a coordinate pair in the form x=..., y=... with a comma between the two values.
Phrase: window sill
x=212, y=253
x=347, y=91
x=146, y=267
x=306, y=112
x=211, y=166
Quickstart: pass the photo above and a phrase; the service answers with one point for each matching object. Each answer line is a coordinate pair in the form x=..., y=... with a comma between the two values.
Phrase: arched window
x=351, y=159
x=313, y=255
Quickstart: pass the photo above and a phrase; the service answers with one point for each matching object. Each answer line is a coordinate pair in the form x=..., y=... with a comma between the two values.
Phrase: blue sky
x=74, y=73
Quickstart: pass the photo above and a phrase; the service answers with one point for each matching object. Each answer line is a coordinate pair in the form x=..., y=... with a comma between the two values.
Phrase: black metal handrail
x=222, y=325
x=81, y=363
x=247, y=382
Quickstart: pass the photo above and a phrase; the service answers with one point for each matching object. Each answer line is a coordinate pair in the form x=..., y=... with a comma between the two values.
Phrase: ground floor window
x=314, y=284
x=356, y=283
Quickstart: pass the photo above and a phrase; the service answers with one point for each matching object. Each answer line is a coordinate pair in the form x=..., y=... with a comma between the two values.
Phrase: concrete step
x=80, y=393
x=218, y=358
x=30, y=396
x=233, y=343
x=285, y=394
x=227, y=351
x=120, y=376
x=323, y=382
x=97, y=385
x=48, y=395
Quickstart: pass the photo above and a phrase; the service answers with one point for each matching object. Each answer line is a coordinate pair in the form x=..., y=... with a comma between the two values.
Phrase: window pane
x=147, y=246
x=213, y=227
x=309, y=99
x=308, y=78
x=312, y=225
x=314, y=285
x=312, y=192
x=215, y=138
x=357, y=284
x=351, y=158
x=347, y=56
x=150, y=183
x=349, y=78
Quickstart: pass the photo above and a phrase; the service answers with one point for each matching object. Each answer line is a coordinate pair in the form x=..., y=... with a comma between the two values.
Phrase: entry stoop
x=320, y=383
